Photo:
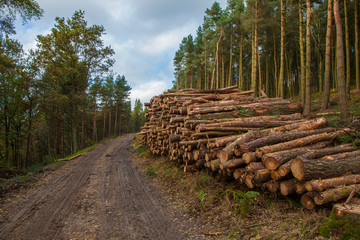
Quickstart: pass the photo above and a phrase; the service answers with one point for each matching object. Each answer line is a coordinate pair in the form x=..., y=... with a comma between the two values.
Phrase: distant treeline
x=285, y=48
x=61, y=96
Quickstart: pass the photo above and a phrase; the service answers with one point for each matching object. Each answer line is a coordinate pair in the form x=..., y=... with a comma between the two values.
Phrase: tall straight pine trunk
x=344, y=110
x=307, y=106
x=347, y=47
x=357, y=76
x=282, y=51
x=327, y=75
x=302, y=55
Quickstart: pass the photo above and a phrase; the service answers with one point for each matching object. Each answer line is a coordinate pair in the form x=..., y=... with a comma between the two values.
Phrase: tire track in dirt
x=98, y=196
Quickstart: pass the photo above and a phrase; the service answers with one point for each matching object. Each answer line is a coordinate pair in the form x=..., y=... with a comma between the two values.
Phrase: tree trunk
x=287, y=187
x=273, y=160
x=94, y=131
x=322, y=184
x=116, y=119
x=340, y=64
x=347, y=47
x=312, y=154
x=307, y=105
x=255, y=49
x=326, y=95
x=241, y=81
x=302, y=55
x=307, y=169
x=280, y=137
x=282, y=51
x=332, y=195
x=357, y=67
x=307, y=200
x=234, y=163
x=298, y=143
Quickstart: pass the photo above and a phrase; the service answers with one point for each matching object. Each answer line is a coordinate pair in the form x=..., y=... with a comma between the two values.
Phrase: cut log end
x=271, y=163
x=307, y=201
x=297, y=169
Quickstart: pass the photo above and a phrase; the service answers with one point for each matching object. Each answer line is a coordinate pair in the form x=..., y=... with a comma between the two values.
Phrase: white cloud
x=147, y=90
x=167, y=40
x=144, y=34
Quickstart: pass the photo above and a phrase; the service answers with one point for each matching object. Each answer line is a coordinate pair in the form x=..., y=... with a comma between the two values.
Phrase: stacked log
x=261, y=142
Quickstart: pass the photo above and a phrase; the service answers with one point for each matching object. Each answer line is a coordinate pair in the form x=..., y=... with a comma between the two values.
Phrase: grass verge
x=225, y=209
x=30, y=175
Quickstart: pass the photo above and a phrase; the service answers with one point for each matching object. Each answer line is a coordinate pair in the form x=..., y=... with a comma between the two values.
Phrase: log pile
x=263, y=142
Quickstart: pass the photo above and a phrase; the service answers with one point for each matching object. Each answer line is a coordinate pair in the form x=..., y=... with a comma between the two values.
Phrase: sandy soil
x=97, y=196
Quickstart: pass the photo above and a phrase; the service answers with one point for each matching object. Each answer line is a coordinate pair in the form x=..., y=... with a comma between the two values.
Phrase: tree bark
x=273, y=160
x=280, y=137
x=344, y=110
x=327, y=75
x=347, y=49
x=298, y=143
x=287, y=186
x=302, y=55
x=322, y=184
x=307, y=105
x=357, y=67
x=234, y=163
x=332, y=195
x=307, y=169
x=282, y=51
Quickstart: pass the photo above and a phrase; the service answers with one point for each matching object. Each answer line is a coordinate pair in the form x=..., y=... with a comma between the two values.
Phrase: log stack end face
x=198, y=129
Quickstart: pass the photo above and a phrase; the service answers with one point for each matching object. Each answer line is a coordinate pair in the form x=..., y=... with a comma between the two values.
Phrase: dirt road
x=98, y=196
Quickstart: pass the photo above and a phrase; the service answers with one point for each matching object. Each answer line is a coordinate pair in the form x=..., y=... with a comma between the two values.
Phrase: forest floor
x=100, y=195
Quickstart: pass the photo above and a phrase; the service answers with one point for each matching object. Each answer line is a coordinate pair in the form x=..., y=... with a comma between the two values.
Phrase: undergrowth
x=226, y=207
x=340, y=225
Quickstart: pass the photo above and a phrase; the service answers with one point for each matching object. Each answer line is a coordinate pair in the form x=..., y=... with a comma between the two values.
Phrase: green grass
x=334, y=224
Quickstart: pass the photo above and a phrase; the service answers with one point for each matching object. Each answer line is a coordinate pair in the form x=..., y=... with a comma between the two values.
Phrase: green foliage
x=241, y=200
x=345, y=138
x=349, y=229
x=151, y=170
x=332, y=121
x=201, y=195
x=138, y=116
x=10, y=9
x=294, y=202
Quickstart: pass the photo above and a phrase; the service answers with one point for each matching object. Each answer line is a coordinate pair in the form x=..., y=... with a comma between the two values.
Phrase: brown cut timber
x=307, y=200
x=262, y=175
x=280, y=137
x=245, y=123
x=334, y=194
x=287, y=186
x=298, y=142
x=238, y=173
x=318, y=153
x=300, y=188
x=273, y=160
x=307, y=169
x=174, y=138
x=284, y=170
x=322, y=184
x=350, y=211
x=229, y=150
x=234, y=163
x=201, y=128
x=214, y=116
x=341, y=155
x=249, y=157
x=253, y=108
x=273, y=186
x=210, y=134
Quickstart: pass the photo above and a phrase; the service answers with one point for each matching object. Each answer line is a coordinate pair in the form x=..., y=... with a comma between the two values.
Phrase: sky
x=145, y=35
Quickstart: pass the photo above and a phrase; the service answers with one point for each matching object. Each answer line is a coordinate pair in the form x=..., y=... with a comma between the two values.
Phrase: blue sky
x=144, y=34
